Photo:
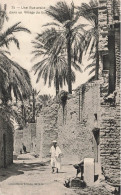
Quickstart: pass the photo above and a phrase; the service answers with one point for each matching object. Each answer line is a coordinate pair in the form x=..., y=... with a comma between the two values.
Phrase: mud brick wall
x=26, y=136
x=113, y=10
x=74, y=137
x=117, y=55
x=110, y=10
x=6, y=129
x=110, y=143
x=110, y=115
x=18, y=136
x=110, y=128
x=102, y=25
x=39, y=133
x=110, y=124
x=47, y=128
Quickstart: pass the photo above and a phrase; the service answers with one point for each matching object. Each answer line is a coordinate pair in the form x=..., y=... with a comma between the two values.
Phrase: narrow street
x=30, y=177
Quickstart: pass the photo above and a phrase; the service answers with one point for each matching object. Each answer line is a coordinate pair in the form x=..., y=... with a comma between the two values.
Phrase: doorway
x=96, y=134
x=4, y=150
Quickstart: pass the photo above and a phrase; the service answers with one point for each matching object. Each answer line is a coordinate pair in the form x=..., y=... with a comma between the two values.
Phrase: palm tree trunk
x=2, y=16
x=57, y=83
x=69, y=63
x=97, y=63
x=23, y=113
x=33, y=97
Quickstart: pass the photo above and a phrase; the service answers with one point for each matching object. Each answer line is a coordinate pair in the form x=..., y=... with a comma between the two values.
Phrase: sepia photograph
x=60, y=97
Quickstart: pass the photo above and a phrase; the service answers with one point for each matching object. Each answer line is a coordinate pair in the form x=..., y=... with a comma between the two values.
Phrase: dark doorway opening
x=96, y=134
x=109, y=62
x=4, y=150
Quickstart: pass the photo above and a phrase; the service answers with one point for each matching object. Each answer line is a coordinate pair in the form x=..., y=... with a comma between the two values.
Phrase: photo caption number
x=12, y=7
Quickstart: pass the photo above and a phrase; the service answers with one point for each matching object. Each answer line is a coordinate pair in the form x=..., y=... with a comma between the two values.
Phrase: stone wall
x=6, y=141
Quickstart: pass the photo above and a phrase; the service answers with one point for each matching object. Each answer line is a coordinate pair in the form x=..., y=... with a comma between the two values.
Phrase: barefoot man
x=55, y=157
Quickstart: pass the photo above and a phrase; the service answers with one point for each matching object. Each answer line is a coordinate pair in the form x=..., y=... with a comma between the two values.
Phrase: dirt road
x=30, y=177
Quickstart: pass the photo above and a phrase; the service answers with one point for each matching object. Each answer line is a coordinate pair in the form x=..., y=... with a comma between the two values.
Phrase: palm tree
x=53, y=64
x=70, y=34
x=90, y=13
x=13, y=80
x=44, y=99
x=8, y=36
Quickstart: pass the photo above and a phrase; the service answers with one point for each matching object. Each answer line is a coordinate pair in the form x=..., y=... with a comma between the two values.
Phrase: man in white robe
x=55, y=157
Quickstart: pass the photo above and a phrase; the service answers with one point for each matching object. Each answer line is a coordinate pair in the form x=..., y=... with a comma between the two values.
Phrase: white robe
x=55, y=157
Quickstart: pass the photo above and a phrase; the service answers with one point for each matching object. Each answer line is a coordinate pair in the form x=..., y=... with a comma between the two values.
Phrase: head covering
x=54, y=141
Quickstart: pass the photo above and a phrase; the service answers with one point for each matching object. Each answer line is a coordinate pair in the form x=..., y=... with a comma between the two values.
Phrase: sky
x=31, y=15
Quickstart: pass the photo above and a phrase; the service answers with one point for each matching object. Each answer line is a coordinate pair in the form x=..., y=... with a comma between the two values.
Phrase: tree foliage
x=52, y=65
x=71, y=34
x=89, y=11
x=14, y=80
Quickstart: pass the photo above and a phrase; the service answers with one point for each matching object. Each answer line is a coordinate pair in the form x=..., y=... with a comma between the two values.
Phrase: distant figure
x=20, y=151
x=24, y=148
x=80, y=168
x=55, y=157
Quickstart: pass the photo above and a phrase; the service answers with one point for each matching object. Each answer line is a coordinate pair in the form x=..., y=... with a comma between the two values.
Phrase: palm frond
x=3, y=52
x=76, y=67
x=90, y=66
x=9, y=40
x=15, y=28
x=38, y=65
x=89, y=11
x=7, y=36
x=91, y=71
x=80, y=27
x=61, y=12
x=51, y=23
x=17, y=77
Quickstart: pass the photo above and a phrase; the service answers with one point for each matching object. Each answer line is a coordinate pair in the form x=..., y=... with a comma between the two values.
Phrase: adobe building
x=109, y=31
x=6, y=141
x=87, y=124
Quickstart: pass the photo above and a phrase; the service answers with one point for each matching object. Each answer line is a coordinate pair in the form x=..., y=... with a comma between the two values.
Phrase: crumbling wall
x=110, y=127
x=110, y=109
x=110, y=143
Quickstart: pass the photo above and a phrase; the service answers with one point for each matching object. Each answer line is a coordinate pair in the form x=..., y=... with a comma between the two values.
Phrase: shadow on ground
x=20, y=168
